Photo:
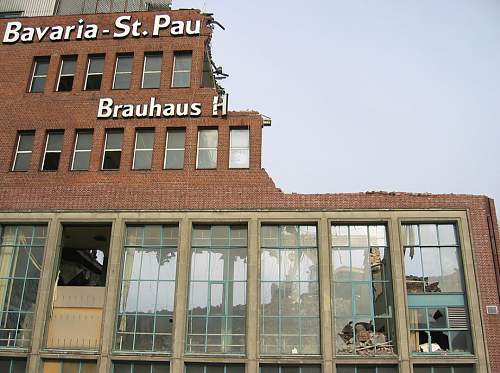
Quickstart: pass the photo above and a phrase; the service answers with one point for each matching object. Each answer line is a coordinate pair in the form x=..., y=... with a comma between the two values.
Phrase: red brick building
x=139, y=232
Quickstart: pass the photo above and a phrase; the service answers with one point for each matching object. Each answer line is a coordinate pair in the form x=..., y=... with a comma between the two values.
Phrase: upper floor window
x=367, y=369
x=443, y=368
x=139, y=367
x=239, y=154
x=174, y=153
x=181, y=75
x=123, y=71
x=9, y=365
x=207, y=148
x=112, y=149
x=83, y=148
x=66, y=74
x=151, y=75
x=40, y=71
x=24, y=150
x=95, y=68
x=70, y=366
x=143, y=152
x=53, y=149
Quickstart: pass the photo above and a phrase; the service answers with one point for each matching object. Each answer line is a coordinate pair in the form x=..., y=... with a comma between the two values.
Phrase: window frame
x=231, y=148
x=118, y=56
x=174, y=149
x=88, y=73
x=174, y=71
x=60, y=75
x=19, y=135
x=33, y=76
x=75, y=150
x=47, y=137
x=144, y=72
x=216, y=148
x=107, y=131
x=137, y=132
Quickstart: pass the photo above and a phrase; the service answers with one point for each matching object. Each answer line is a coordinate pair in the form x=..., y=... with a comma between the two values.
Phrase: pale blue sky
x=395, y=95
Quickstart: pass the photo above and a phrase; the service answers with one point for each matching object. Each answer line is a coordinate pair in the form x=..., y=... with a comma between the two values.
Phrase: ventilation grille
x=457, y=318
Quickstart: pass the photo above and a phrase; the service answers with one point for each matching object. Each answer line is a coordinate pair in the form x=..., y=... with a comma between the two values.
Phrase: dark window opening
x=84, y=255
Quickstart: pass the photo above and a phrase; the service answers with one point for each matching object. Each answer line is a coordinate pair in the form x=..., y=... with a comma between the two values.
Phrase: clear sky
x=394, y=95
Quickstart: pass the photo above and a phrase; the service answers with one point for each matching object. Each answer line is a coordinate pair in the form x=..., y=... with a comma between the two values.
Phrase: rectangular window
x=83, y=149
x=40, y=72
x=143, y=152
x=53, y=149
x=215, y=368
x=66, y=74
x=362, y=290
x=239, y=154
x=217, y=292
x=21, y=258
x=443, y=369
x=123, y=71
x=12, y=365
x=181, y=75
x=24, y=150
x=151, y=75
x=289, y=318
x=112, y=149
x=69, y=366
x=146, y=308
x=140, y=367
x=268, y=368
x=367, y=369
x=435, y=289
x=175, y=148
x=208, y=140
x=95, y=68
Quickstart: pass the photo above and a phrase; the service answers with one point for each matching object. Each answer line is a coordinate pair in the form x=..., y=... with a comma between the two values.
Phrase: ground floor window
x=69, y=366
x=140, y=367
x=367, y=369
x=443, y=369
x=12, y=365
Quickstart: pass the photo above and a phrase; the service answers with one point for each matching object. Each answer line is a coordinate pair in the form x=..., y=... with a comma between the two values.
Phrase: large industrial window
x=140, y=367
x=268, y=368
x=40, y=72
x=95, y=68
x=12, y=365
x=123, y=71
x=53, y=149
x=239, y=154
x=367, y=369
x=145, y=314
x=112, y=149
x=217, y=293
x=215, y=368
x=24, y=151
x=21, y=256
x=434, y=283
x=443, y=369
x=69, y=366
x=83, y=149
x=151, y=75
x=175, y=149
x=181, y=74
x=362, y=290
x=289, y=317
x=66, y=74
x=143, y=152
x=206, y=156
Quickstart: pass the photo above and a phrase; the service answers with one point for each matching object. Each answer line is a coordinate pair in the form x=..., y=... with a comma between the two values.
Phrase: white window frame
x=231, y=148
x=144, y=72
x=51, y=151
x=145, y=149
x=198, y=149
x=60, y=71
x=116, y=72
x=175, y=149
x=79, y=151
x=109, y=150
x=181, y=71
x=20, y=151
x=88, y=69
x=33, y=76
